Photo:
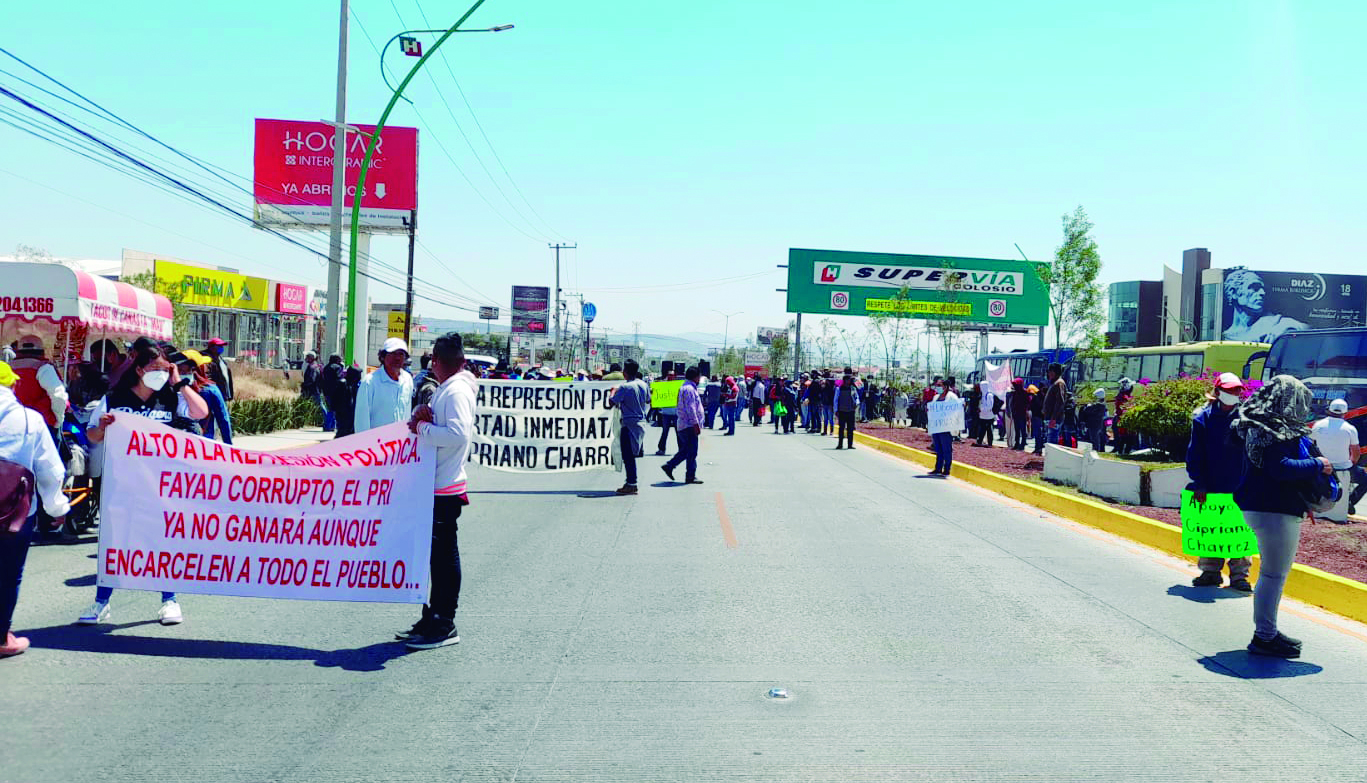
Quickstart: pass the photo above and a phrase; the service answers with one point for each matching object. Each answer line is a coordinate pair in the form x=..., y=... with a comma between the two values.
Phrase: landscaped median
x=1340, y=594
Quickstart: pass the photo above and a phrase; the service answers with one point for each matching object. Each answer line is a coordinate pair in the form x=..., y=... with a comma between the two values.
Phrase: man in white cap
x=1338, y=442
x=39, y=386
x=385, y=396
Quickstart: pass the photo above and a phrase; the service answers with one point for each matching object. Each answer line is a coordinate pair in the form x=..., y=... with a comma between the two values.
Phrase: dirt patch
x=1338, y=549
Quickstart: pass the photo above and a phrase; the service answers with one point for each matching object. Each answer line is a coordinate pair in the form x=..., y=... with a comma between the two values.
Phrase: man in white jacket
x=25, y=441
x=386, y=395
x=447, y=423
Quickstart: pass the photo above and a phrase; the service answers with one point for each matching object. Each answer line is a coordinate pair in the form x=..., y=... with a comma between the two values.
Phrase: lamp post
x=352, y=304
x=726, y=331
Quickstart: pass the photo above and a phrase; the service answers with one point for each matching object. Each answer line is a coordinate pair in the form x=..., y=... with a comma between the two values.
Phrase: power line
x=437, y=138
x=482, y=133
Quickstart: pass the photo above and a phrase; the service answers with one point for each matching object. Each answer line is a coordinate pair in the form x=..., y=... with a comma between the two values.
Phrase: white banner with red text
x=540, y=426
x=345, y=520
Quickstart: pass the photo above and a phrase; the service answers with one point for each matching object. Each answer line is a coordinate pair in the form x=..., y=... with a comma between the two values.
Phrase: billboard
x=531, y=308
x=292, y=186
x=291, y=298
x=983, y=290
x=1260, y=306
x=212, y=287
x=765, y=335
x=488, y=313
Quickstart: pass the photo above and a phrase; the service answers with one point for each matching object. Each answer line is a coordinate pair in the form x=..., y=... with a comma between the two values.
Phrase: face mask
x=1227, y=398
x=155, y=379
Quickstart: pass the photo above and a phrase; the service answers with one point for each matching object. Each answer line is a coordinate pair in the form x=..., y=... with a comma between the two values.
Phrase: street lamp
x=726, y=332
x=352, y=304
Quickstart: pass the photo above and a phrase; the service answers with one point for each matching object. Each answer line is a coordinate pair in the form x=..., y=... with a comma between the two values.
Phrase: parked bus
x=1029, y=365
x=1165, y=362
x=1332, y=362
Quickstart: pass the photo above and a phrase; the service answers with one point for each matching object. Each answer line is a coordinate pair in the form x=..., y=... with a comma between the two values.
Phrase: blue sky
x=683, y=143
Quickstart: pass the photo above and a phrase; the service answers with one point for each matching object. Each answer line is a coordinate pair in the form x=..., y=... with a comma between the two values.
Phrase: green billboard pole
x=977, y=290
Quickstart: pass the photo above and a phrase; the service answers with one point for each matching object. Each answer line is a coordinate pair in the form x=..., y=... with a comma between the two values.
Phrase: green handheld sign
x=1215, y=528
x=665, y=394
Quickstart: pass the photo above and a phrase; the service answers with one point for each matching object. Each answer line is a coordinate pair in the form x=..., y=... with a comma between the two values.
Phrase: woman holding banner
x=943, y=439
x=151, y=387
x=1273, y=427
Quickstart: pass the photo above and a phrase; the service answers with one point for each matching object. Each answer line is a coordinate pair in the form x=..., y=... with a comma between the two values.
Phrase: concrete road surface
x=923, y=630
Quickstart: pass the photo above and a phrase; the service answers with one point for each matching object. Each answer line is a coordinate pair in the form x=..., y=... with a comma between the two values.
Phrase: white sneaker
x=170, y=613
x=97, y=613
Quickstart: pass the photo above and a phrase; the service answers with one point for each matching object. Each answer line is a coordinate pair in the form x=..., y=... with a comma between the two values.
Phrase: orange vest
x=29, y=391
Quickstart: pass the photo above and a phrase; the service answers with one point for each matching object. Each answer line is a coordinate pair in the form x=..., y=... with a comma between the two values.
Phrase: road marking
x=727, y=532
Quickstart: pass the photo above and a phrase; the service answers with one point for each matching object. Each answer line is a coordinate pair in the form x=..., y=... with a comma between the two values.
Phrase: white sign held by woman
x=945, y=416
x=345, y=520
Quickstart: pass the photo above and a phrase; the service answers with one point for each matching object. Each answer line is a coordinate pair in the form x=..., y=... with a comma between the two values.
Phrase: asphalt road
x=923, y=629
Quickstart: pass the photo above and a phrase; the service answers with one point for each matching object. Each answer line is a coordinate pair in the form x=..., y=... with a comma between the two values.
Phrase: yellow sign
x=932, y=308
x=396, y=323
x=212, y=288
x=665, y=394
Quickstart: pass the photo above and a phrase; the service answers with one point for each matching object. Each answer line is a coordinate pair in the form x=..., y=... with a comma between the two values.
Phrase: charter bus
x=1029, y=365
x=1332, y=362
x=1165, y=362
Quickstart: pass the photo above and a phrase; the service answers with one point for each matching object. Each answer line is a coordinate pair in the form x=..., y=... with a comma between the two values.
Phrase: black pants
x=846, y=421
x=13, y=554
x=1019, y=421
x=445, y=596
x=628, y=455
x=667, y=424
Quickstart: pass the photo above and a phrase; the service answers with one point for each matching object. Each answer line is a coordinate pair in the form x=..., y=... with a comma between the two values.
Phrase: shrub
x=1162, y=414
x=271, y=414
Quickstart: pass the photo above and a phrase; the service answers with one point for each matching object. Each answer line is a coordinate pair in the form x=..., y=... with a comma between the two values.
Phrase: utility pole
x=557, y=248
x=408, y=301
x=332, y=340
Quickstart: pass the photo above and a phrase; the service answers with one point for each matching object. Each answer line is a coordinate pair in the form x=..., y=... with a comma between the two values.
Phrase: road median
x=1335, y=593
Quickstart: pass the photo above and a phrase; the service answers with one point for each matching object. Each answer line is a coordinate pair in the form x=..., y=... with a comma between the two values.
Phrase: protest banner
x=345, y=520
x=945, y=416
x=1215, y=528
x=534, y=427
x=665, y=394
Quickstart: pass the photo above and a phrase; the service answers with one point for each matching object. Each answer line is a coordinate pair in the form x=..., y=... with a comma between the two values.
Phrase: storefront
x=264, y=322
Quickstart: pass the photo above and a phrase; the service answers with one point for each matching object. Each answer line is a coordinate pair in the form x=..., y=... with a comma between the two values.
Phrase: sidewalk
x=283, y=439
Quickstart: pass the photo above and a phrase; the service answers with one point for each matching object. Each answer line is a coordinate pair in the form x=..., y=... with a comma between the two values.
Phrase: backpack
x=1322, y=492
x=16, y=491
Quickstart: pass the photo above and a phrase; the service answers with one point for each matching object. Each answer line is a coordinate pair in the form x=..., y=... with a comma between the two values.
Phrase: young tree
x=780, y=357
x=826, y=341
x=180, y=316
x=891, y=329
x=1075, y=298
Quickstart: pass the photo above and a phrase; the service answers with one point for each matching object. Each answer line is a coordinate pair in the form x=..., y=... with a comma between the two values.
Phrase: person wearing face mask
x=151, y=387
x=1215, y=464
x=1277, y=462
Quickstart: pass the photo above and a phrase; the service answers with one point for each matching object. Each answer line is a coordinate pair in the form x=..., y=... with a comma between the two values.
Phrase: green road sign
x=981, y=290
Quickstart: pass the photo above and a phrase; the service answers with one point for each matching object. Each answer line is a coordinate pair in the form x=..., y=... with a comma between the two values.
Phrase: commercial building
x=265, y=322
x=1133, y=313
x=1202, y=302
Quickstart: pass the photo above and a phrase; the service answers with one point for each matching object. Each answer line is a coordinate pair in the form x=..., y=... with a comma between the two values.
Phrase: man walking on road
x=632, y=398
x=846, y=406
x=446, y=424
x=690, y=428
x=1215, y=461
x=669, y=418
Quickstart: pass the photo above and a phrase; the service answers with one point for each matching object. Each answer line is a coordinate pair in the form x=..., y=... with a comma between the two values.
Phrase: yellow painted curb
x=1338, y=594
